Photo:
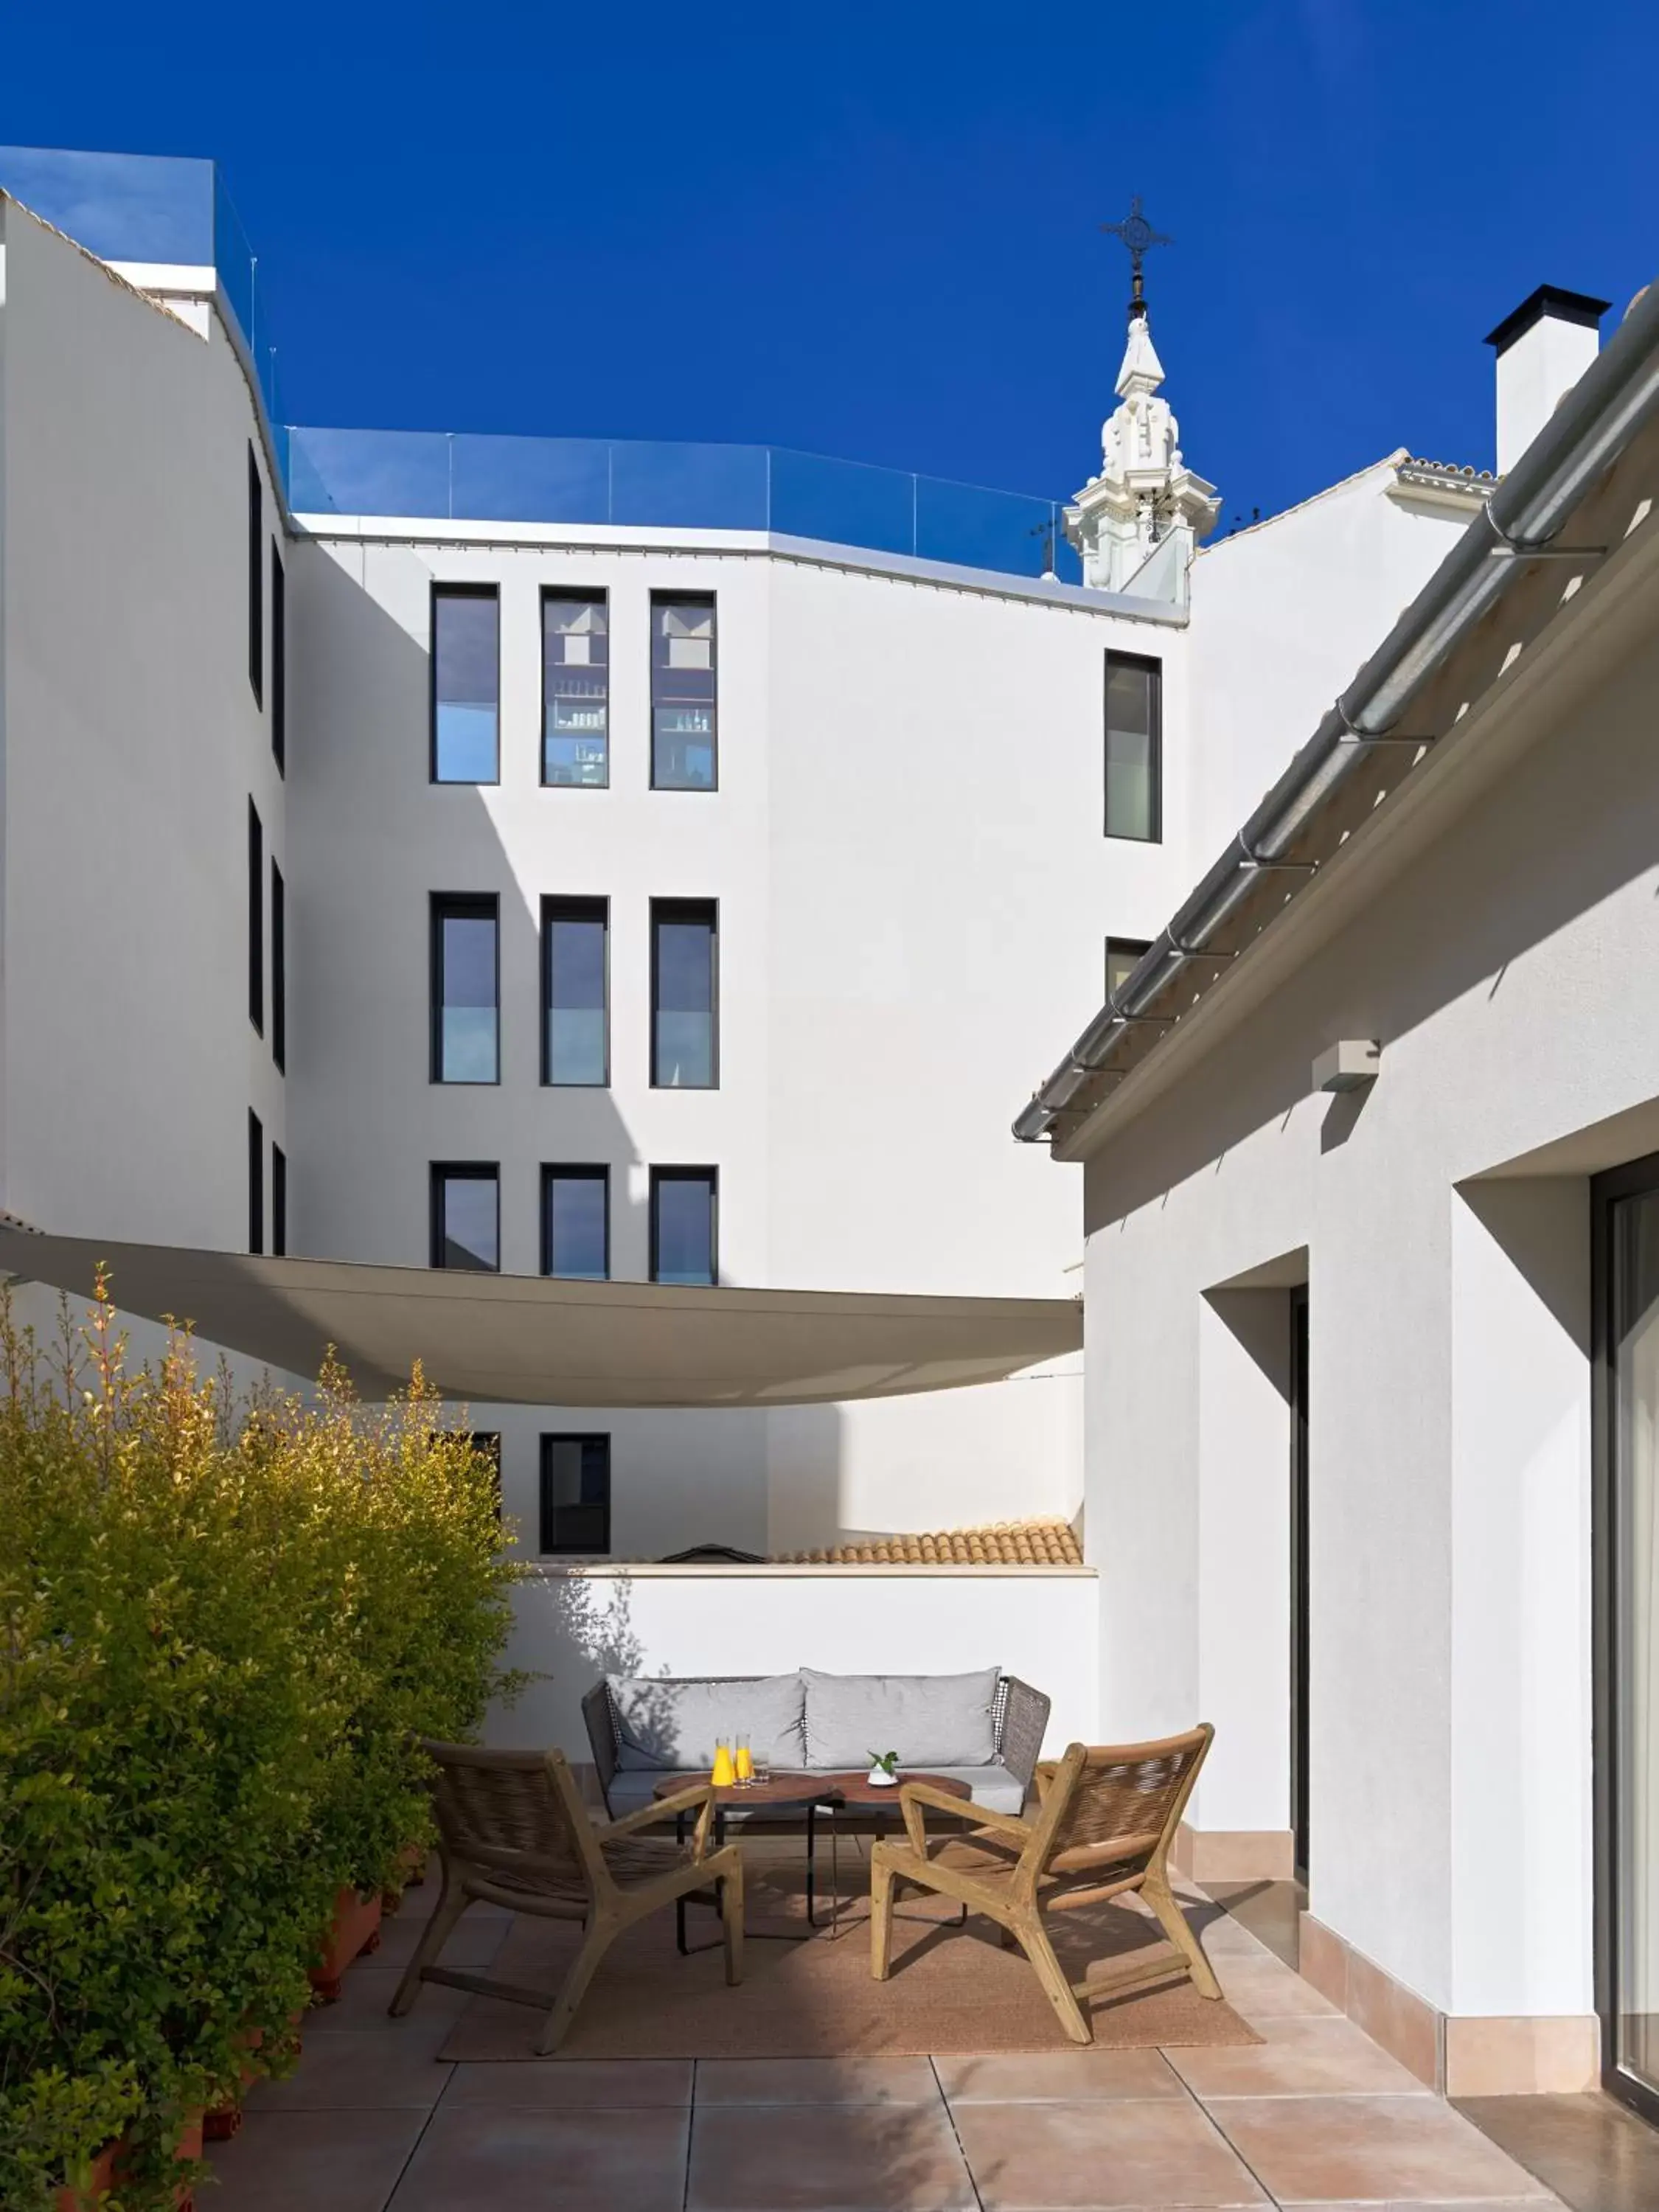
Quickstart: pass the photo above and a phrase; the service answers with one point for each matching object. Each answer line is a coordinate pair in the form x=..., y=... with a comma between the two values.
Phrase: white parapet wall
x=575, y=1623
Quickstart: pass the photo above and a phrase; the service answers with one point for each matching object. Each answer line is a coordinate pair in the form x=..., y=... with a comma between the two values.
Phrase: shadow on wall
x=572, y=1630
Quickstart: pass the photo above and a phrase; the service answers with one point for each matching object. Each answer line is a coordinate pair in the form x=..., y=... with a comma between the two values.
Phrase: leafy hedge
x=220, y=1624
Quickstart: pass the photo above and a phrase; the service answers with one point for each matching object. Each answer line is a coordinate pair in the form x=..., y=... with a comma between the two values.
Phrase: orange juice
x=724, y=1774
x=745, y=1764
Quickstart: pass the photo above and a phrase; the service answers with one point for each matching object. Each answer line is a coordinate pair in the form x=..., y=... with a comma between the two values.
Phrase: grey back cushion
x=930, y=1720
x=662, y=1723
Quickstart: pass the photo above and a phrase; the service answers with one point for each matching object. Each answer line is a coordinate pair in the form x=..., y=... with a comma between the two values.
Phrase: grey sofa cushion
x=933, y=1721
x=662, y=1723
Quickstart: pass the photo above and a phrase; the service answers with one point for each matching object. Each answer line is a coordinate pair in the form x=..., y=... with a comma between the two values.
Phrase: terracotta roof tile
x=1008, y=1544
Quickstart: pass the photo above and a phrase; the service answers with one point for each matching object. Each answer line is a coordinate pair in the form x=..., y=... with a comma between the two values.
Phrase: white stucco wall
x=1450, y=1664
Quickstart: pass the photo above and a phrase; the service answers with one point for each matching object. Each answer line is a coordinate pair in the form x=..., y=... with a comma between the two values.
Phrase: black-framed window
x=576, y=1223
x=466, y=1216
x=575, y=688
x=278, y=660
x=575, y=1501
x=256, y=578
x=465, y=988
x=278, y=967
x=685, y=1226
x=466, y=684
x=575, y=991
x=684, y=748
x=278, y=1202
x=685, y=994
x=256, y=1183
x=487, y=1443
x=256, y=919
x=1123, y=955
x=1134, y=747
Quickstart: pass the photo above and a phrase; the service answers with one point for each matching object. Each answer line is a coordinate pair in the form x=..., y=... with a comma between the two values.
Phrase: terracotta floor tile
x=368, y=1989
x=1330, y=2150
x=512, y=2156
x=1441, y=2204
x=362, y=2069
x=322, y=2161
x=1304, y=2054
x=815, y=2081
x=1125, y=2153
x=1261, y=1988
x=1056, y=2076
x=825, y=2158
x=473, y=1943
x=588, y=2083
x=1587, y=2148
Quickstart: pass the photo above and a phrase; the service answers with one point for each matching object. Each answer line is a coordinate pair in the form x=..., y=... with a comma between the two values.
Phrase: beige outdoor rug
x=953, y=1989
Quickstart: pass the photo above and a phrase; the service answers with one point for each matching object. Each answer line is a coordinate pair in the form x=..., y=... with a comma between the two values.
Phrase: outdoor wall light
x=1348, y=1065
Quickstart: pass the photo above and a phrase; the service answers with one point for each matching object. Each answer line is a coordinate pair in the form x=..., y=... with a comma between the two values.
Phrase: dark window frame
x=711, y=600
x=676, y=1173
x=256, y=919
x=1138, y=945
x=440, y=1173
x=278, y=967
x=278, y=1203
x=558, y=907
x=256, y=578
x=444, y=590
x=545, y=1530
x=575, y=595
x=573, y=1171
x=487, y=1443
x=256, y=1183
x=278, y=659
x=683, y=910
x=460, y=906
x=1153, y=666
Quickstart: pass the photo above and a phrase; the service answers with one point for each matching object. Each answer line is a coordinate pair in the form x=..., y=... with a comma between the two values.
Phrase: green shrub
x=220, y=1626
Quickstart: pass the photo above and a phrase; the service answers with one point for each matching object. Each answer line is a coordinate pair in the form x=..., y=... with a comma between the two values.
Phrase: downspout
x=1592, y=426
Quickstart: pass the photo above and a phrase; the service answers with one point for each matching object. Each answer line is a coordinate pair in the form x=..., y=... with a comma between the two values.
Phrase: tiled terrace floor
x=1316, y=2116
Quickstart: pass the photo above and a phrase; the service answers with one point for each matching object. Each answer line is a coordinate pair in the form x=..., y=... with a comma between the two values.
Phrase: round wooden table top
x=859, y=1789
x=787, y=1786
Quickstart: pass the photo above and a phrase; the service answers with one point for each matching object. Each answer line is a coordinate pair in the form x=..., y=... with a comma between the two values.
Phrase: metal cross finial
x=1137, y=235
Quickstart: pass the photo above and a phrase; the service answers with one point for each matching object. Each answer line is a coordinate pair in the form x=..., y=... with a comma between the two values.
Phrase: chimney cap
x=1563, y=307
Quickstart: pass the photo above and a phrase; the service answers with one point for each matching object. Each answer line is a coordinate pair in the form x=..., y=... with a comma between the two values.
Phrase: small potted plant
x=883, y=1769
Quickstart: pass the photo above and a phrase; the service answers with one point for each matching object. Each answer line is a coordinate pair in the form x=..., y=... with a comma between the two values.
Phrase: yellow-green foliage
x=220, y=1626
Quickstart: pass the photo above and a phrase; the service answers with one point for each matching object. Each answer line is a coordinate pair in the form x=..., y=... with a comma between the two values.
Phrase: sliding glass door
x=1626, y=1217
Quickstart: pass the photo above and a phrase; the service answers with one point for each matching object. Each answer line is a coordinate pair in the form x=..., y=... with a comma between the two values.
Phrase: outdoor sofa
x=983, y=1728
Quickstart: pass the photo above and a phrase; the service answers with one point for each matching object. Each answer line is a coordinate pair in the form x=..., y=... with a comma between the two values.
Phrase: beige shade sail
x=526, y=1339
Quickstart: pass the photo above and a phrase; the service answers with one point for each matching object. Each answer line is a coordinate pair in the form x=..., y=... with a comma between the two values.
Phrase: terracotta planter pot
x=107, y=2169
x=411, y=1862
x=220, y=2122
x=101, y=2180
x=356, y=1928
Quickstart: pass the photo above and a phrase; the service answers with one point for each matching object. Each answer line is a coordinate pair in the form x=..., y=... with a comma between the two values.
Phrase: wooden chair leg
x=596, y=1940
x=452, y=1902
x=1175, y=1925
x=732, y=1917
x=881, y=1915
x=1029, y=1932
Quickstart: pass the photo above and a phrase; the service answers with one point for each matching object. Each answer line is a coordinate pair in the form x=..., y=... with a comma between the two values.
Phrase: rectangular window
x=466, y=684
x=682, y=754
x=278, y=660
x=684, y=995
x=465, y=991
x=576, y=1494
x=256, y=919
x=487, y=1443
x=576, y=968
x=278, y=1202
x=1122, y=954
x=575, y=688
x=256, y=1184
x=576, y=1223
x=1134, y=711
x=682, y=1226
x=256, y=579
x=467, y=1225
x=278, y=967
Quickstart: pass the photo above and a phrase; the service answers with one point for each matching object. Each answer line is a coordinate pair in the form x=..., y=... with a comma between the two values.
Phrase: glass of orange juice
x=724, y=1773
x=746, y=1764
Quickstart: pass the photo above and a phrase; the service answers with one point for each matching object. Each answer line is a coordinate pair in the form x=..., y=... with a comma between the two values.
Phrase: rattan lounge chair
x=514, y=1831
x=1105, y=1822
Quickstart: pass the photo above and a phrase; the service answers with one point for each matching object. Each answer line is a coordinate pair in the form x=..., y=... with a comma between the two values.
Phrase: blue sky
x=872, y=231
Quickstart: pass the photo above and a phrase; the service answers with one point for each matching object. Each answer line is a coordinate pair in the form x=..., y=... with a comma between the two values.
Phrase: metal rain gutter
x=1592, y=425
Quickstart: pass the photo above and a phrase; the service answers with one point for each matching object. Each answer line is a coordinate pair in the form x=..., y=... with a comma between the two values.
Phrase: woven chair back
x=504, y=1814
x=1117, y=1806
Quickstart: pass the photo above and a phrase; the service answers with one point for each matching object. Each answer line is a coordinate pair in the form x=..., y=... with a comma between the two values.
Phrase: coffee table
x=856, y=1793
x=786, y=1790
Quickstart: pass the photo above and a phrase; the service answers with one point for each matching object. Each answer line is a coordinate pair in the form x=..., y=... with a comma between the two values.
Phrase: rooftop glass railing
x=150, y=208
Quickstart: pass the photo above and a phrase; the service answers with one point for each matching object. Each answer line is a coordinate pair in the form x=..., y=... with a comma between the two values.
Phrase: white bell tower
x=1146, y=496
